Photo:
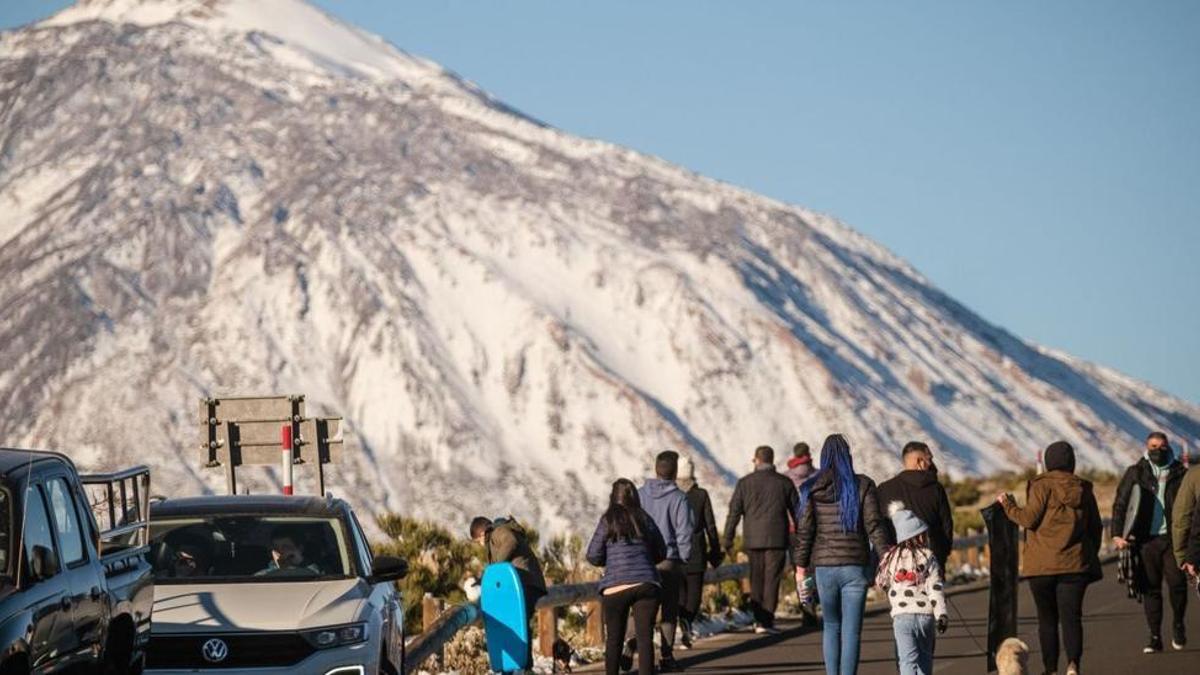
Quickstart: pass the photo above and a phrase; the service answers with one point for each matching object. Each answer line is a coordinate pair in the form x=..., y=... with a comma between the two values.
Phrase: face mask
x=1160, y=457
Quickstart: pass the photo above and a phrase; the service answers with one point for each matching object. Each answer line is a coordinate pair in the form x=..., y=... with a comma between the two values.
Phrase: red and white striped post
x=285, y=437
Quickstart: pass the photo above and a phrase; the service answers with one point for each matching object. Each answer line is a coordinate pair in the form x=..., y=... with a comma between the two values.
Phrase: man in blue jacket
x=668, y=507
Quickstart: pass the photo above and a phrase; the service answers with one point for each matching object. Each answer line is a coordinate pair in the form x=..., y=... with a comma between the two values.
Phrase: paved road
x=1114, y=633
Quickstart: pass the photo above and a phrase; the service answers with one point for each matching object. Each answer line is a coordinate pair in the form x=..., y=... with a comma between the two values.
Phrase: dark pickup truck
x=76, y=585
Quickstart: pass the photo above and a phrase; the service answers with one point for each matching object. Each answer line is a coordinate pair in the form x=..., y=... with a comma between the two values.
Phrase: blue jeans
x=914, y=643
x=843, y=593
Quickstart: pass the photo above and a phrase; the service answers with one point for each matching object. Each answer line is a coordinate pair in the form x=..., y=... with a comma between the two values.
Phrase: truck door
x=82, y=569
x=48, y=601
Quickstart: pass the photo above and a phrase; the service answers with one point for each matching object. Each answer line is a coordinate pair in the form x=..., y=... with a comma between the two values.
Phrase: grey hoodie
x=668, y=508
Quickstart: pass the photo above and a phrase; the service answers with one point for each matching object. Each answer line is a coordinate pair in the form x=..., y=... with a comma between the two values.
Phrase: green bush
x=967, y=519
x=963, y=492
x=1099, y=476
x=438, y=562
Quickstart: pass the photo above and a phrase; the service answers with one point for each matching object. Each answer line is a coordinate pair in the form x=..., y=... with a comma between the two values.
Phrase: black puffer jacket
x=820, y=541
x=1134, y=517
x=767, y=499
x=706, y=546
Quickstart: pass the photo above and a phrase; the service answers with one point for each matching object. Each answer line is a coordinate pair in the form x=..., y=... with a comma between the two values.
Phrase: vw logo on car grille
x=215, y=650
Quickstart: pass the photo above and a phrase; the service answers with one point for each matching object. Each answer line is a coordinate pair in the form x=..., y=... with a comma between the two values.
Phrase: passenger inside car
x=288, y=554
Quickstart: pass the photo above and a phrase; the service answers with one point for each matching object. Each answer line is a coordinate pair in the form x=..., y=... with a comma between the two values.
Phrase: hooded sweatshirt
x=921, y=493
x=799, y=469
x=1062, y=523
x=1158, y=521
x=668, y=508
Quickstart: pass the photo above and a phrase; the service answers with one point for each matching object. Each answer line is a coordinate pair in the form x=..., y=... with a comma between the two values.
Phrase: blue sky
x=1038, y=161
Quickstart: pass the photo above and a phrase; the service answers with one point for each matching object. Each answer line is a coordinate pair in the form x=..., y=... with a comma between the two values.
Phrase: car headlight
x=336, y=636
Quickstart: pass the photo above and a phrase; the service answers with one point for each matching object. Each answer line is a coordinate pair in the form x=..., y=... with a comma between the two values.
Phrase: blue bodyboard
x=502, y=601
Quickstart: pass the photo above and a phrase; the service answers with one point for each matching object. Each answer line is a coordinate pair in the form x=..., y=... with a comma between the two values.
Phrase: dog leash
x=966, y=627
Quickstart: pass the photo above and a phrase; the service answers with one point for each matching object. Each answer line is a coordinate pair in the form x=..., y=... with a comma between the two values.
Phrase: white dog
x=1012, y=658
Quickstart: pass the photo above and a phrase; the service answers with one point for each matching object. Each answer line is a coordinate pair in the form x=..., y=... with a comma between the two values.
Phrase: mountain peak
x=295, y=23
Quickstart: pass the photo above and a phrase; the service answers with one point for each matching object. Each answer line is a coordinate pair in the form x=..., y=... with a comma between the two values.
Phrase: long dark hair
x=836, y=459
x=624, y=516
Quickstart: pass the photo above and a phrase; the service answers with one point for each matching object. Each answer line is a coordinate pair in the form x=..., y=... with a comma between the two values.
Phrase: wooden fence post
x=595, y=625
x=547, y=631
x=972, y=551
x=431, y=609
x=744, y=581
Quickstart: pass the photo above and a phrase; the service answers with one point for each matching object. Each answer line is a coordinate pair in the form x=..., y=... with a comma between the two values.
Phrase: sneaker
x=1179, y=638
x=1072, y=669
x=766, y=630
x=685, y=640
x=627, y=655
x=667, y=664
x=1153, y=646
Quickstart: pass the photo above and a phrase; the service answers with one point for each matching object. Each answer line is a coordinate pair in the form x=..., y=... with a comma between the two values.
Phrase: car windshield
x=227, y=548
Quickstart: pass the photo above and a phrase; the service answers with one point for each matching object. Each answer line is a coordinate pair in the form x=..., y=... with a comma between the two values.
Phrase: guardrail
x=441, y=625
x=973, y=549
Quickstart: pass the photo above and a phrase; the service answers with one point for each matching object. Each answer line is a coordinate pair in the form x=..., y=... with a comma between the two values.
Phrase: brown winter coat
x=1062, y=524
x=507, y=542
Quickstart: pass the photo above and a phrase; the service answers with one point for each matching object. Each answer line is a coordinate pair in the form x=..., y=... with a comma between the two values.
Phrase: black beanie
x=1059, y=456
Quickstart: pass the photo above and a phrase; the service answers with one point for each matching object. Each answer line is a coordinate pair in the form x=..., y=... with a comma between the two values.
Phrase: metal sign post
x=266, y=430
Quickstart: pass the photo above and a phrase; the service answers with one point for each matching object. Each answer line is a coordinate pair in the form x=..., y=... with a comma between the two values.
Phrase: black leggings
x=643, y=600
x=690, y=594
x=1158, y=564
x=1059, y=600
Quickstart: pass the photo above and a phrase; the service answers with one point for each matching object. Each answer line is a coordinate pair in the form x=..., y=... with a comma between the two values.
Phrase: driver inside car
x=190, y=555
x=287, y=553
x=191, y=560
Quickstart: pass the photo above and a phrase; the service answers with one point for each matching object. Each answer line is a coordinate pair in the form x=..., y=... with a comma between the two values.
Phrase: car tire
x=385, y=664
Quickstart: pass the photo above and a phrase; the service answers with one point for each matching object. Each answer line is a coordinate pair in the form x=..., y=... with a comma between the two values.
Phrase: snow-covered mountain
x=206, y=196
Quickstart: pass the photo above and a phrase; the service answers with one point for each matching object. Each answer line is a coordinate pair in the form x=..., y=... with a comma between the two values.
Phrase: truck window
x=37, y=523
x=66, y=523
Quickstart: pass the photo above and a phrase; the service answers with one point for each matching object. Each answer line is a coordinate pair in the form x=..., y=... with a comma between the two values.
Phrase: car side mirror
x=388, y=568
x=43, y=564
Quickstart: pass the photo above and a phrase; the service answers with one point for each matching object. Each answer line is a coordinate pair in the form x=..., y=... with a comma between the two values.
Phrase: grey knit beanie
x=907, y=524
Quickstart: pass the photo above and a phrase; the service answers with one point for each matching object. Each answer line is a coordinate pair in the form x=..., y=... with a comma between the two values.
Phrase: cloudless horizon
x=1038, y=162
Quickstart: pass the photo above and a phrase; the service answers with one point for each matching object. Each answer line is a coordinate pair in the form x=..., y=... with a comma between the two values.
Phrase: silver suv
x=271, y=584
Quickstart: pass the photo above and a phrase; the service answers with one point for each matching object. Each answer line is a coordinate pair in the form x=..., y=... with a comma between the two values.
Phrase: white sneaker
x=763, y=630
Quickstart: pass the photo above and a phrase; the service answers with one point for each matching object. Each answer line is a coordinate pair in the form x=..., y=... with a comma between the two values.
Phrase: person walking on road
x=911, y=576
x=1063, y=533
x=504, y=540
x=628, y=545
x=839, y=523
x=1141, y=519
x=668, y=507
x=799, y=467
x=706, y=548
x=767, y=500
x=1185, y=523
x=918, y=489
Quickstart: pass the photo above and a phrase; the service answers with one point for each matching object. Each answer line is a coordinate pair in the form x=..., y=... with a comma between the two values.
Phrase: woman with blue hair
x=839, y=522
